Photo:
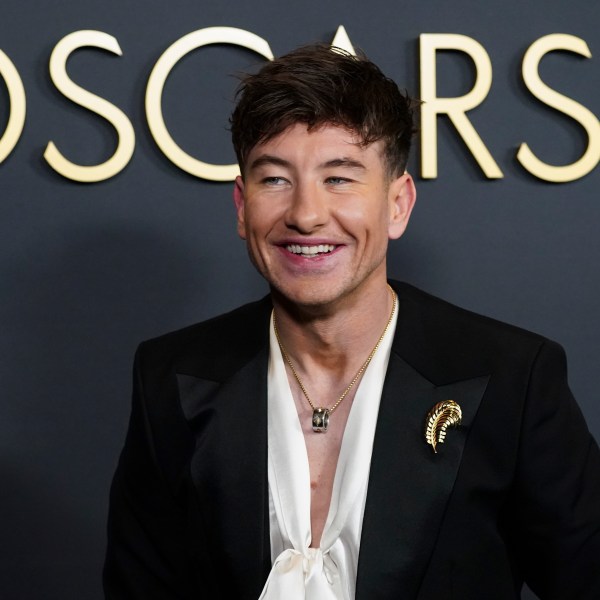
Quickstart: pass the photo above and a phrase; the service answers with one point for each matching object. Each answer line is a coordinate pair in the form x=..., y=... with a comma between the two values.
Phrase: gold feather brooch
x=443, y=415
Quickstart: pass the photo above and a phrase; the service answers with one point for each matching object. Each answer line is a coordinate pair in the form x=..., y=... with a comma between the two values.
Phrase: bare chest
x=323, y=450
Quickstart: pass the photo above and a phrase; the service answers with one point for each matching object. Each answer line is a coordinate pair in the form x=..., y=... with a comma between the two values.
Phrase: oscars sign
x=455, y=108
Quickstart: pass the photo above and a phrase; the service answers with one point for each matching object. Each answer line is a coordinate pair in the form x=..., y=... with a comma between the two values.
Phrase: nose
x=307, y=210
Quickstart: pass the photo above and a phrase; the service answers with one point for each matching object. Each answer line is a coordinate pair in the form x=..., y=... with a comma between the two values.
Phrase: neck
x=334, y=338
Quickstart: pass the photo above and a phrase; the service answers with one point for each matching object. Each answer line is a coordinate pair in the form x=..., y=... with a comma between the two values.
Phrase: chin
x=305, y=299
x=309, y=295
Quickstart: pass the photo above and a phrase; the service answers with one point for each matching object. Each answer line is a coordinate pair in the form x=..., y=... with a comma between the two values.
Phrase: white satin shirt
x=329, y=572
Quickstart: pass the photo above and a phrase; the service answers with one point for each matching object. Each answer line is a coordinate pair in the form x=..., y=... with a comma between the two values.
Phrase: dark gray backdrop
x=87, y=271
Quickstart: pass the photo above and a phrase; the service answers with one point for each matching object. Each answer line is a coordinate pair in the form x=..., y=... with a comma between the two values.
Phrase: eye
x=337, y=180
x=274, y=181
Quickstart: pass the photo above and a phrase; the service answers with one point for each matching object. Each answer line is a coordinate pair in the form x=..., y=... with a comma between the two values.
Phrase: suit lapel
x=409, y=485
x=228, y=419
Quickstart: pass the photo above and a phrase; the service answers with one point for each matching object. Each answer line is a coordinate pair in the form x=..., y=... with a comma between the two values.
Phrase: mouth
x=310, y=251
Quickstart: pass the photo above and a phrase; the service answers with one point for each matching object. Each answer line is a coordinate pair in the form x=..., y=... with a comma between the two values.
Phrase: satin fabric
x=329, y=572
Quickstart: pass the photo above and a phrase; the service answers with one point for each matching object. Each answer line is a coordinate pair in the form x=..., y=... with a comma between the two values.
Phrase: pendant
x=320, y=420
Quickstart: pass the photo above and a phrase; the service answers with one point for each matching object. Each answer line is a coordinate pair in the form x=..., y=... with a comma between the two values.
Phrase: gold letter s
x=531, y=77
x=126, y=135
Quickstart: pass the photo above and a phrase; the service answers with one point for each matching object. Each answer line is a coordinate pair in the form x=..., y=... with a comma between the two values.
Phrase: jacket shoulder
x=216, y=346
x=454, y=340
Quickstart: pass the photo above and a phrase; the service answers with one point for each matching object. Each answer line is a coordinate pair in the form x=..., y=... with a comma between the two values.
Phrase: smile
x=310, y=250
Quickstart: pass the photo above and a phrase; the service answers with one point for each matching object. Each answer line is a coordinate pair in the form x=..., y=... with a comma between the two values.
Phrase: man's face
x=317, y=210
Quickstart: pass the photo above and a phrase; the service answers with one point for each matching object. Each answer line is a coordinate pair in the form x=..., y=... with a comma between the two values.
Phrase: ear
x=401, y=198
x=239, y=200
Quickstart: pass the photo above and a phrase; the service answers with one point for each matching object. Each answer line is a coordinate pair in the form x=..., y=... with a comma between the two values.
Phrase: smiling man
x=347, y=437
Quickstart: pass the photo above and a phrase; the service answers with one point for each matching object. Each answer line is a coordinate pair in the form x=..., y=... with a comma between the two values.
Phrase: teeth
x=310, y=250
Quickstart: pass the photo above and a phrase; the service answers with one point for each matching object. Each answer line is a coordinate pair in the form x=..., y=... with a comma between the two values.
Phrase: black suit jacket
x=513, y=493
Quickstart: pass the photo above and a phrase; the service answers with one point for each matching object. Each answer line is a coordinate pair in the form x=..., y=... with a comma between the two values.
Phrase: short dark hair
x=319, y=85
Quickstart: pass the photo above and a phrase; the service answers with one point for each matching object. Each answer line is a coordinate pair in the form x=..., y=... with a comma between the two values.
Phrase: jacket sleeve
x=558, y=483
x=148, y=553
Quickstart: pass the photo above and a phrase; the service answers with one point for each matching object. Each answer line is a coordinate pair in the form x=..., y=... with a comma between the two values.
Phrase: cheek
x=370, y=218
x=259, y=220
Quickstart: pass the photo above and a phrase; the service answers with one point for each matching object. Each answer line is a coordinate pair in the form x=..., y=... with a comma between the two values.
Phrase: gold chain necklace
x=320, y=417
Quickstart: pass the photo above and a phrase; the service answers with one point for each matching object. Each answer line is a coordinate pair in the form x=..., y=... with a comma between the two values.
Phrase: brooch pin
x=443, y=415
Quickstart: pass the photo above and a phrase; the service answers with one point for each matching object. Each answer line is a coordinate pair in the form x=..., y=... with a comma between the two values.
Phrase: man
x=293, y=448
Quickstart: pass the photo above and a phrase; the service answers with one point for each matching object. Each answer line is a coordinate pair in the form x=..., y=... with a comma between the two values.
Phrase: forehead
x=320, y=145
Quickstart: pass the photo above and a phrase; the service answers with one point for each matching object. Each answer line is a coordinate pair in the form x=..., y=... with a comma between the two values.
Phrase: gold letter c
x=156, y=83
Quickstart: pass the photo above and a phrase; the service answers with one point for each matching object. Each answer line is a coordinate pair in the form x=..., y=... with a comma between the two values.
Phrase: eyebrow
x=350, y=163
x=269, y=159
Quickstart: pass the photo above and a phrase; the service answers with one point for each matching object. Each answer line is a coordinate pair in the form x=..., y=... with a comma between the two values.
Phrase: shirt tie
x=311, y=574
